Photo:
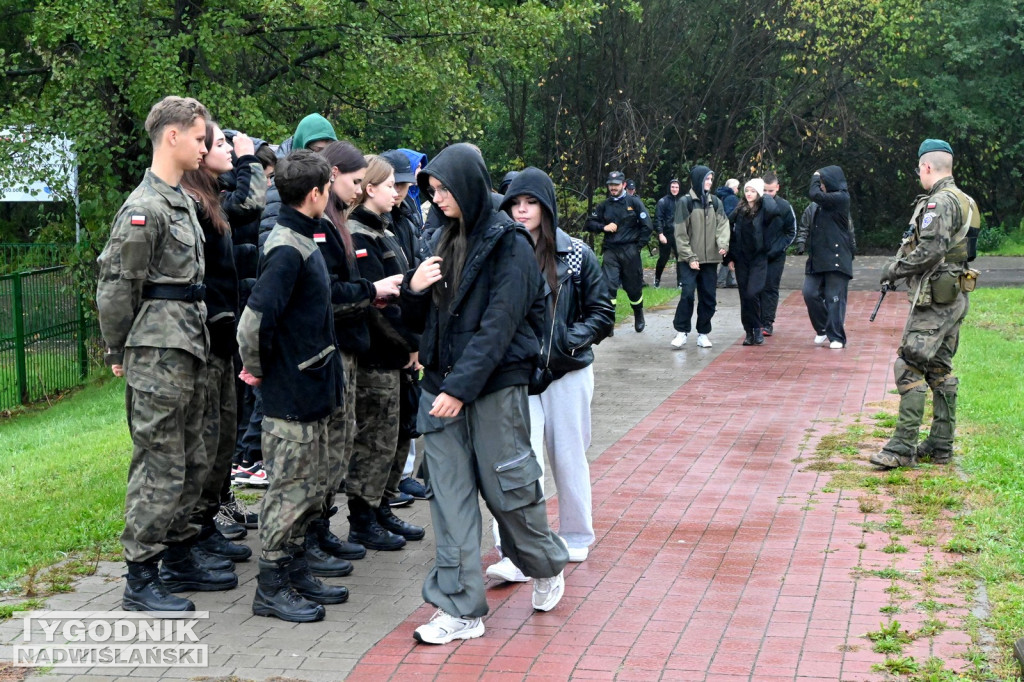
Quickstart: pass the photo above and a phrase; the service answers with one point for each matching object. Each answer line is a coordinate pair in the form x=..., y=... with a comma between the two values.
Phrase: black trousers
x=623, y=267
x=770, y=295
x=825, y=296
x=750, y=278
x=666, y=251
x=703, y=281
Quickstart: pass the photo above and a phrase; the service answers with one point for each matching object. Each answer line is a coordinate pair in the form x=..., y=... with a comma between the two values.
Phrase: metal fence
x=30, y=256
x=46, y=340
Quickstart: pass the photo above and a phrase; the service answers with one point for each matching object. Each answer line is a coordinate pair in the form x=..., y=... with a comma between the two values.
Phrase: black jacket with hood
x=830, y=240
x=581, y=312
x=664, y=212
x=485, y=334
x=750, y=234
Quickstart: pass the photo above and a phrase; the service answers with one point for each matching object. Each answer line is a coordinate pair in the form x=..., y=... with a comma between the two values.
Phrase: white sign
x=110, y=639
x=42, y=168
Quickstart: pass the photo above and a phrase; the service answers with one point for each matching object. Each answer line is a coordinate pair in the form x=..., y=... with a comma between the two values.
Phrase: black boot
x=638, y=318
x=322, y=563
x=302, y=579
x=332, y=544
x=146, y=592
x=758, y=337
x=387, y=519
x=749, y=339
x=181, y=573
x=213, y=542
x=210, y=562
x=276, y=597
x=364, y=529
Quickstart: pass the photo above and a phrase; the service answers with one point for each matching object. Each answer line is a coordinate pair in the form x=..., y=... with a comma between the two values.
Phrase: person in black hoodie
x=754, y=218
x=221, y=280
x=480, y=305
x=776, y=242
x=664, y=212
x=581, y=317
x=829, y=246
x=287, y=344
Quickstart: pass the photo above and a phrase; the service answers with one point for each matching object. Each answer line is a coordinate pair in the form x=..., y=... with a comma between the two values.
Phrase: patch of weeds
x=885, y=420
x=895, y=548
x=889, y=609
x=904, y=665
x=869, y=504
x=962, y=545
x=931, y=606
x=880, y=433
x=861, y=545
x=8, y=610
x=888, y=573
x=931, y=627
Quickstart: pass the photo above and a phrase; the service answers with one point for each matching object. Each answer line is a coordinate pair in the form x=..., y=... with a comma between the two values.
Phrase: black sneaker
x=413, y=488
x=400, y=500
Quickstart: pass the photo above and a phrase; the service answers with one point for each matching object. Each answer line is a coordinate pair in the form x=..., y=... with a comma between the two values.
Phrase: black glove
x=800, y=248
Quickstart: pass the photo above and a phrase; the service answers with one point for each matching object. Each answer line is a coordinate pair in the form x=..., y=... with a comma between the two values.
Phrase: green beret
x=934, y=146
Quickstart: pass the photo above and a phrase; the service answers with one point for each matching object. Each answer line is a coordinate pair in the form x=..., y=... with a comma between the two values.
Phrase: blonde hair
x=174, y=111
x=732, y=183
x=378, y=169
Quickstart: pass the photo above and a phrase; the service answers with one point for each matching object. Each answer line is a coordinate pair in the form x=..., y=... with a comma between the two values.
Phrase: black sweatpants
x=623, y=267
x=770, y=295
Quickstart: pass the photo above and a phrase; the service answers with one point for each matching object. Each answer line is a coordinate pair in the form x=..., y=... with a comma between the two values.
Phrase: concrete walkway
x=719, y=555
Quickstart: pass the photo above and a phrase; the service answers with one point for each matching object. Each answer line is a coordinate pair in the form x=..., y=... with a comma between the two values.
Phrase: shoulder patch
x=931, y=205
x=927, y=220
x=138, y=219
x=629, y=208
x=361, y=253
x=643, y=215
x=319, y=237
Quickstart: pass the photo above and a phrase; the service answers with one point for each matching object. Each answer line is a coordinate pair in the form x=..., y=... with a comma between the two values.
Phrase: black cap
x=400, y=162
x=630, y=184
x=615, y=178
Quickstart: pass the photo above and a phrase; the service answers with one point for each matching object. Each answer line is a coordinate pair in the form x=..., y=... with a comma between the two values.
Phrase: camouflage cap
x=930, y=145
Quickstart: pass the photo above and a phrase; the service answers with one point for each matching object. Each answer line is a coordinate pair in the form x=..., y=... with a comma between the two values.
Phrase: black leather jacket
x=582, y=315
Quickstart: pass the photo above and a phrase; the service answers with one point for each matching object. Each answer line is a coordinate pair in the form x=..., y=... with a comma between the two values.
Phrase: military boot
x=276, y=597
x=213, y=542
x=209, y=561
x=901, y=449
x=387, y=520
x=146, y=592
x=181, y=573
x=306, y=584
x=365, y=530
x=938, y=446
x=320, y=562
x=332, y=544
x=638, y=318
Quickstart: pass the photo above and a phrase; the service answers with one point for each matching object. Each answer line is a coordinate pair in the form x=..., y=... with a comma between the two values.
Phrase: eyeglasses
x=438, y=191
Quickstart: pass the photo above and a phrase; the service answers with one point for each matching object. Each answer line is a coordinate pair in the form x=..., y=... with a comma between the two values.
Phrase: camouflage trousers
x=931, y=339
x=341, y=431
x=295, y=456
x=220, y=427
x=373, y=449
x=165, y=401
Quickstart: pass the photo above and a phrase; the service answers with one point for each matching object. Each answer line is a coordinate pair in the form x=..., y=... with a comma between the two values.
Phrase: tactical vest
x=964, y=244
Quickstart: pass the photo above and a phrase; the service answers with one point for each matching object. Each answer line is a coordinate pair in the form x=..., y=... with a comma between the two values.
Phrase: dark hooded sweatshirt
x=582, y=314
x=830, y=240
x=484, y=335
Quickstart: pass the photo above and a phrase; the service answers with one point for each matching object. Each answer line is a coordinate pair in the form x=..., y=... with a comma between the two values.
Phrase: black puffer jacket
x=780, y=235
x=582, y=314
x=484, y=336
x=749, y=241
x=830, y=241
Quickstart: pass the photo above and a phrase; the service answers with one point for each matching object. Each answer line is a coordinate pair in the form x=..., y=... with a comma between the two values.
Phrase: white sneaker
x=818, y=340
x=836, y=345
x=444, y=627
x=507, y=571
x=578, y=554
x=703, y=341
x=680, y=340
x=547, y=592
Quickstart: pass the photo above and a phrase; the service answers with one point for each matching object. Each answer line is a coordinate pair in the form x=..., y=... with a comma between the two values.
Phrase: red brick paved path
x=717, y=557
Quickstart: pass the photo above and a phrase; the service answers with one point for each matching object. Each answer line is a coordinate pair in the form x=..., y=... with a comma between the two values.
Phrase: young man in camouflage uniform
x=933, y=260
x=152, y=316
x=287, y=345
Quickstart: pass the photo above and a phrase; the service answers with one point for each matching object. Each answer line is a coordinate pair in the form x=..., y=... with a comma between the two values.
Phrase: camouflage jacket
x=155, y=239
x=936, y=220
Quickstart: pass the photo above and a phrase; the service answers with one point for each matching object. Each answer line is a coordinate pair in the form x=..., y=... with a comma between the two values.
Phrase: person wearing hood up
x=729, y=194
x=626, y=226
x=829, y=245
x=755, y=217
x=702, y=238
x=664, y=212
x=582, y=316
x=480, y=305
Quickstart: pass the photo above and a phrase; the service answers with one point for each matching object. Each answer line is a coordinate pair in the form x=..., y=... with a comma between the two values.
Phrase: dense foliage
x=576, y=87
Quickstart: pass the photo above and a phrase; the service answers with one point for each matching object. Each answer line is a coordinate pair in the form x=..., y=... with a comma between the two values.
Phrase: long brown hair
x=346, y=158
x=202, y=186
x=545, y=250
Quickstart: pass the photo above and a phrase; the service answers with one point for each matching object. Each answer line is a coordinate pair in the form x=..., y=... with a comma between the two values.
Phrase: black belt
x=175, y=292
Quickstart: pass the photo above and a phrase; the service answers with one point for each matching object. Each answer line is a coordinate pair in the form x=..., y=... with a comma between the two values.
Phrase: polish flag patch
x=319, y=237
x=931, y=205
x=138, y=220
x=361, y=253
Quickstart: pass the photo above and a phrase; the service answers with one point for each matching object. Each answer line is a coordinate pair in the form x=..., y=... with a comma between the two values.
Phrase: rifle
x=886, y=288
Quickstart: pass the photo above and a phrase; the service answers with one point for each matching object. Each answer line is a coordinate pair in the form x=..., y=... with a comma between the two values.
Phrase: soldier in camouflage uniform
x=287, y=345
x=933, y=259
x=152, y=316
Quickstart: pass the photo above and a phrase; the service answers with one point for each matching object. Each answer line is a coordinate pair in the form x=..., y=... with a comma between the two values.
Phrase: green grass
x=1011, y=245
x=652, y=299
x=62, y=472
